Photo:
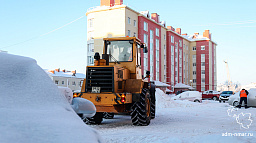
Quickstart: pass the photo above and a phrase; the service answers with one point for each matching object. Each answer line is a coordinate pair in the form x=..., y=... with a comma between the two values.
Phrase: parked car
x=225, y=95
x=211, y=94
x=193, y=96
x=251, y=98
x=83, y=107
x=32, y=109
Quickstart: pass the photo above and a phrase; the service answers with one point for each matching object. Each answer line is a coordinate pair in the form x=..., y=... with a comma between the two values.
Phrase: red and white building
x=172, y=57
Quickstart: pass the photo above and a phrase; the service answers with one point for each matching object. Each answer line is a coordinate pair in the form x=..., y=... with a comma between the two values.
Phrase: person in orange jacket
x=243, y=97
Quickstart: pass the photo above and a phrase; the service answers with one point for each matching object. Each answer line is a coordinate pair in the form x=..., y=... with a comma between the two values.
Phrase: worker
x=126, y=54
x=243, y=97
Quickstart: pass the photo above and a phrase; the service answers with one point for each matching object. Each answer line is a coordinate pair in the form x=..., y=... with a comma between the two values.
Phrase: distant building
x=172, y=57
x=65, y=78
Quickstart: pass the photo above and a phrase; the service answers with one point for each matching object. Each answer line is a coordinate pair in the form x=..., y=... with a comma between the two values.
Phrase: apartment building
x=65, y=78
x=172, y=57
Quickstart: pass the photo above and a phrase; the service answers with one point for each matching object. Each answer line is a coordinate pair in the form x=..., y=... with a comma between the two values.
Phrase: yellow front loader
x=115, y=83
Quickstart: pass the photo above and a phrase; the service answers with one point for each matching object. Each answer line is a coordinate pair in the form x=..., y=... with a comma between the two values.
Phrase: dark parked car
x=224, y=96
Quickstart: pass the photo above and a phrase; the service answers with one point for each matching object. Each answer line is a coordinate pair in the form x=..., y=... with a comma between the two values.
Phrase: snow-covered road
x=182, y=121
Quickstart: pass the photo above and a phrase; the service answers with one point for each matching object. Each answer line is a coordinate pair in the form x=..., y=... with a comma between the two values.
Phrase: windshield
x=227, y=92
x=120, y=51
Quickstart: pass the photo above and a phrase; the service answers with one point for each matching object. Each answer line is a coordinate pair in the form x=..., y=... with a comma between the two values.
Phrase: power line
x=18, y=43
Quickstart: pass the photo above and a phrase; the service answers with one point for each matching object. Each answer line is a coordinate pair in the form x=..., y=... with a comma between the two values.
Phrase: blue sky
x=232, y=24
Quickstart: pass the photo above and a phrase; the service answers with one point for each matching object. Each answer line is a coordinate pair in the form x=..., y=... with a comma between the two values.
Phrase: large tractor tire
x=153, y=109
x=107, y=115
x=153, y=101
x=96, y=119
x=141, y=114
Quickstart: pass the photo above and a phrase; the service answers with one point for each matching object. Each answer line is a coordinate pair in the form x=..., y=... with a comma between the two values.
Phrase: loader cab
x=124, y=52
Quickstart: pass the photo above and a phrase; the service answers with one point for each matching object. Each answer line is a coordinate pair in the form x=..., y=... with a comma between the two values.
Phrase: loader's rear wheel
x=96, y=119
x=141, y=114
x=153, y=109
x=107, y=115
x=153, y=100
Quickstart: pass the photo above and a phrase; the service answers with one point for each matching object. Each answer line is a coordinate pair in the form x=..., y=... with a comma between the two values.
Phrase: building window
x=203, y=71
x=134, y=35
x=129, y=33
x=90, y=47
x=194, y=72
x=203, y=64
x=194, y=48
x=90, y=35
x=202, y=47
x=146, y=39
x=90, y=60
x=74, y=83
x=62, y=82
x=202, y=57
x=180, y=43
x=157, y=32
x=145, y=26
x=129, y=20
x=203, y=80
x=164, y=37
x=134, y=23
x=56, y=82
x=90, y=23
x=187, y=47
x=194, y=80
x=152, y=55
x=194, y=64
x=202, y=88
x=172, y=39
x=194, y=56
x=145, y=61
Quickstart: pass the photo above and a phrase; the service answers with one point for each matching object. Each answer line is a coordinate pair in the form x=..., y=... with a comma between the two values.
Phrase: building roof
x=196, y=38
x=67, y=74
x=146, y=15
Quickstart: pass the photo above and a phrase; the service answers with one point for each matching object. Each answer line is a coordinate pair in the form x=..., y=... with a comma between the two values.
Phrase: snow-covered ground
x=183, y=121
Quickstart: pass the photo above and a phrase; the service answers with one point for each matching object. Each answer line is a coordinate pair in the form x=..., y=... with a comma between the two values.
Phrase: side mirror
x=83, y=106
x=145, y=50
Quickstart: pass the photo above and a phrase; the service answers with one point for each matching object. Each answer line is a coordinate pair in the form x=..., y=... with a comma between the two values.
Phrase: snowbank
x=32, y=110
x=166, y=101
x=181, y=85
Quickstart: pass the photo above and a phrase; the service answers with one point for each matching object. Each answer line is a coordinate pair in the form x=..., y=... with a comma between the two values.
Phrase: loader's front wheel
x=96, y=119
x=141, y=113
x=107, y=115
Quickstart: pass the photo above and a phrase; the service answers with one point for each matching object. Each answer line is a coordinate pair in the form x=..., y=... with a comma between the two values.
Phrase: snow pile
x=32, y=109
x=67, y=92
x=166, y=101
x=159, y=83
x=181, y=85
